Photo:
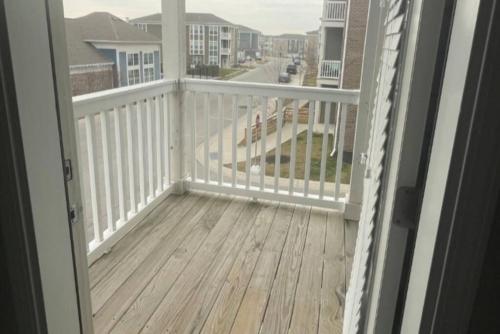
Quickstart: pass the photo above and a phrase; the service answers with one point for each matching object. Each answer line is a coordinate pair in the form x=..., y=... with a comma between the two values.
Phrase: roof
x=291, y=36
x=101, y=26
x=313, y=32
x=191, y=18
x=247, y=29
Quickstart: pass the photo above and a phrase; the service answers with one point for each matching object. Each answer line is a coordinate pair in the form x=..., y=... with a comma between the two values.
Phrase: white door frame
x=39, y=113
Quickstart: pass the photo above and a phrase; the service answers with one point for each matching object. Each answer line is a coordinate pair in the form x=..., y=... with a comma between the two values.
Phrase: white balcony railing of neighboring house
x=335, y=10
x=225, y=35
x=330, y=69
x=126, y=139
x=225, y=51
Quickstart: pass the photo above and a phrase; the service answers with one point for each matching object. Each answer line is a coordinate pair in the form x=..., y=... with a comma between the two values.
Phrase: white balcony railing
x=335, y=10
x=125, y=164
x=225, y=35
x=330, y=69
x=225, y=51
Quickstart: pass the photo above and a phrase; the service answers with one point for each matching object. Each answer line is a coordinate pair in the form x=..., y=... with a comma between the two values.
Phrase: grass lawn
x=229, y=73
x=331, y=163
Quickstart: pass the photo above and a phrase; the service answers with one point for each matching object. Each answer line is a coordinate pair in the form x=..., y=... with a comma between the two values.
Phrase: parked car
x=284, y=78
x=291, y=69
x=296, y=61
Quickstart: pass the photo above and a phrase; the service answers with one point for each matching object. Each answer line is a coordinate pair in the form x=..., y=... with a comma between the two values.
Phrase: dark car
x=284, y=77
x=291, y=69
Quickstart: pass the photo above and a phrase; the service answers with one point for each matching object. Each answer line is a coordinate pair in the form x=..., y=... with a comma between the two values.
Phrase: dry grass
x=331, y=164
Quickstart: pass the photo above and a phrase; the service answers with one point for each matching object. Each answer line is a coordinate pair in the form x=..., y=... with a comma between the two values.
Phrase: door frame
x=37, y=49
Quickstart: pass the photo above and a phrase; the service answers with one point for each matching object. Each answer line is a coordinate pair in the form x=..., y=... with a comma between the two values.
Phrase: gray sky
x=269, y=16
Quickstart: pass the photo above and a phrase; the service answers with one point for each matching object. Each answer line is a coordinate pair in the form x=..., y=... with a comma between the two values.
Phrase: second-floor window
x=133, y=69
x=149, y=67
x=196, y=39
x=213, y=45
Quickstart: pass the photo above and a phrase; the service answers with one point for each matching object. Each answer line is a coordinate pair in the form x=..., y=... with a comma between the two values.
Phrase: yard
x=331, y=163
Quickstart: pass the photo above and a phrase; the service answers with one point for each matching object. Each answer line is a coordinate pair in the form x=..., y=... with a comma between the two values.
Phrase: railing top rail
x=272, y=90
x=96, y=102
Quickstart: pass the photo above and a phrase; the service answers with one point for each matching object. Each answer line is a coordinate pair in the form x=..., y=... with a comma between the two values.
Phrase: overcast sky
x=269, y=16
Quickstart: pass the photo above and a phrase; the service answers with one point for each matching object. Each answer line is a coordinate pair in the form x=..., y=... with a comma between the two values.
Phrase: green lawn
x=331, y=163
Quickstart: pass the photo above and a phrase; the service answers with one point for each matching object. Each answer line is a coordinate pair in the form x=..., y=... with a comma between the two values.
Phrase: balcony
x=225, y=35
x=212, y=259
x=225, y=51
x=334, y=13
x=330, y=69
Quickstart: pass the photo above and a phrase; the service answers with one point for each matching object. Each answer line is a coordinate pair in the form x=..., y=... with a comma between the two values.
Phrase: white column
x=174, y=67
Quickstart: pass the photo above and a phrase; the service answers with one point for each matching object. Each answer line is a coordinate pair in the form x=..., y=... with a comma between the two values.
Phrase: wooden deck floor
x=216, y=264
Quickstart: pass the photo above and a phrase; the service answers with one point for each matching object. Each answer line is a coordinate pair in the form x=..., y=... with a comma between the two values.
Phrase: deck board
x=204, y=263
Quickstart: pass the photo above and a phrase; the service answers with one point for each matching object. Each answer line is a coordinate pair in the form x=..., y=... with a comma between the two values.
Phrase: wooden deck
x=215, y=264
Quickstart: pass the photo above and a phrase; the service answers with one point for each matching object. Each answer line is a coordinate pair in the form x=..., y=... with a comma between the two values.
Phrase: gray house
x=106, y=52
x=248, y=41
x=211, y=40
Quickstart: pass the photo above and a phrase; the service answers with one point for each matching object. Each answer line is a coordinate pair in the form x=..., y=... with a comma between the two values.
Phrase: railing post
x=174, y=67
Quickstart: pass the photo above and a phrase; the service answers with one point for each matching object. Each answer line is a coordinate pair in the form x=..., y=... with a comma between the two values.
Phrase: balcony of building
x=334, y=13
x=266, y=232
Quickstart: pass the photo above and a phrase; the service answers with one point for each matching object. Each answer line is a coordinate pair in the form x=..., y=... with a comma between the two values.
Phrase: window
x=196, y=39
x=213, y=45
x=142, y=26
x=149, y=70
x=134, y=76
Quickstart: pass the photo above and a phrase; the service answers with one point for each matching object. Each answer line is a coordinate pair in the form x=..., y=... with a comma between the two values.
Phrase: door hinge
x=73, y=214
x=406, y=207
x=68, y=170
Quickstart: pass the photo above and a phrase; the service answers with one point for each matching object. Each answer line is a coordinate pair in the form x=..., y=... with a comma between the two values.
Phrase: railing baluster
x=277, y=158
x=140, y=140
x=324, y=148
x=107, y=174
x=89, y=130
x=119, y=164
x=340, y=150
x=248, y=142
x=310, y=125
x=149, y=129
x=193, y=137
x=293, y=150
x=220, y=127
x=158, y=146
x=263, y=138
x=166, y=121
x=234, y=139
x=130, y=156
x=207, y=137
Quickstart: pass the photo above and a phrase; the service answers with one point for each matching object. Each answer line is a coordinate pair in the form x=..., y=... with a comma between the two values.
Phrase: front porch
x=208, y=263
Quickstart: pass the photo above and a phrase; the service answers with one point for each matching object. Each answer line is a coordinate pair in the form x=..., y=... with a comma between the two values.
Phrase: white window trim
x=133, y=67
x=197, y=30
x=148, y=66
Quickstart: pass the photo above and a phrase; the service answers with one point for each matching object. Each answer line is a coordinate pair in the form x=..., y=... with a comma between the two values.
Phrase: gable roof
x=247, y=29
x=101, y=26
x=291, y=36
x=191, y=18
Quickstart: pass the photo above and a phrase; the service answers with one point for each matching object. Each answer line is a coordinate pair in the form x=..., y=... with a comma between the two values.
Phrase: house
x=288, y=45
x=248, y=41
x=139, y=210
x=266, y=45
x=106, y=52
x=211, y=40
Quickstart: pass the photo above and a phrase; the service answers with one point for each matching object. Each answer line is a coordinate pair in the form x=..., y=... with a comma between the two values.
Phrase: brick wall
x=92, y=81
x=358, y=15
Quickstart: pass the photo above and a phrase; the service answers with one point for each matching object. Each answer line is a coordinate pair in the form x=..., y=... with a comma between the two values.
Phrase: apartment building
x=211, y=40
x=248, y=41
x=341, y=45
x=106, y=52
x=289, y=45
